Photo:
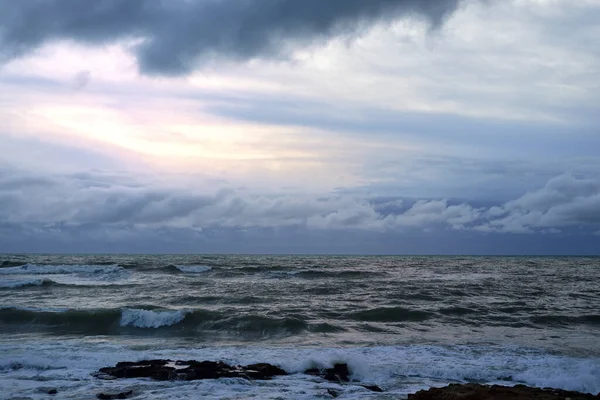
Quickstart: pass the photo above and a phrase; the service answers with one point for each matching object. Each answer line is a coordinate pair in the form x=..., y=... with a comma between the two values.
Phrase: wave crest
x=140, y=318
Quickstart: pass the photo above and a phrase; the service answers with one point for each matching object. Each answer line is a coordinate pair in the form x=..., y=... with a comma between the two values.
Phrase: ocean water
x=403, y=323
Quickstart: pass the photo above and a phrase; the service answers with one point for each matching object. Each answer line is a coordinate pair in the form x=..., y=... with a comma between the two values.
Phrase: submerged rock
x=339, y=373
x=48, y=390
x=164, y=370
x=112, y=396
x=473, y=391
x=373, y=388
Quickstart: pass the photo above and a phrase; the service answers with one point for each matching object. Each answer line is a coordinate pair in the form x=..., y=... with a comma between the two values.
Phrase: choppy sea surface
x=403, y=323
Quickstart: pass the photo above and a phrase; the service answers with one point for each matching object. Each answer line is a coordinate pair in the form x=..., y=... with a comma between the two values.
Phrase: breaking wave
x=149, y=318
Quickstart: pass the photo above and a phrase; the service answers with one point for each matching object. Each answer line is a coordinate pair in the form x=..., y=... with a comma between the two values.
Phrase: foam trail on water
x=150, y=319
x=193, y=269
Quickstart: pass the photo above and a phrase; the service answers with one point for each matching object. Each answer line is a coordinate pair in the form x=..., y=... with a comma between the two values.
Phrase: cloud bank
x=107, y=200
x=172, y=37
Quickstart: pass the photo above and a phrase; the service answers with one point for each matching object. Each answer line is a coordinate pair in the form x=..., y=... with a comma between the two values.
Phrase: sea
x=402, y=323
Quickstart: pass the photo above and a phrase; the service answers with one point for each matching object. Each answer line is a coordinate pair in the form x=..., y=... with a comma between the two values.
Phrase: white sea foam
x=149, y=318
x=193, y=269
x=399, y=370
x=18, y=283
x=35, y=269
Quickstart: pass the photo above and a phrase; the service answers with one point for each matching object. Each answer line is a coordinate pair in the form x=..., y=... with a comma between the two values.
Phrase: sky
x=288, y=126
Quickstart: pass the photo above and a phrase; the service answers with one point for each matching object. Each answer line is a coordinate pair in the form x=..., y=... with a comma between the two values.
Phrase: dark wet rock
x=143, y=362
x=164, y=370
x=111, y=396
x=339, y=373
x=332, y=393
x=472, y=391
x=263, y=371
x=158, y=371
x=373, y=388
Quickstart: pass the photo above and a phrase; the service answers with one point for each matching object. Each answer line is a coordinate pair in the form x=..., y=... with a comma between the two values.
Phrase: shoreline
x=340, y=374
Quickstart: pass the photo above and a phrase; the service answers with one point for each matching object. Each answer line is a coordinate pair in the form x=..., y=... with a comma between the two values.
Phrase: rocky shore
x=473, y=391
x=180, y=370
x=189, y=370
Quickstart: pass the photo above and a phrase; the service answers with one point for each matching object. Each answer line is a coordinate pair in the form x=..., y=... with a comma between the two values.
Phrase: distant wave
x=192, y=269
x=316, y=273
x=565, y=320
x=10, y=263
x=46, y=282
x=19, y=283
x=41, y=269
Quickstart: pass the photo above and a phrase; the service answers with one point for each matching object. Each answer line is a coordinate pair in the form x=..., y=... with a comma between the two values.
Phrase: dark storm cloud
x=178, y=34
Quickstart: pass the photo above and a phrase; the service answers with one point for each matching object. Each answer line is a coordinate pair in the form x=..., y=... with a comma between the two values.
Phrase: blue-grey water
x=404, y=323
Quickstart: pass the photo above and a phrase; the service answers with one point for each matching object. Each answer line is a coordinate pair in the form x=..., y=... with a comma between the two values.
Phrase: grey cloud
x=81, y=80
x=96, y=212
x=22, y=182
x=563, y=202
x=513, y=137
x=102, y=200
x=428, y=212
x=176, y=35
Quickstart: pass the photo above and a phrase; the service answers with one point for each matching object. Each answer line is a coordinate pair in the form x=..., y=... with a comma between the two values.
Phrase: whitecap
x=150, y=319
